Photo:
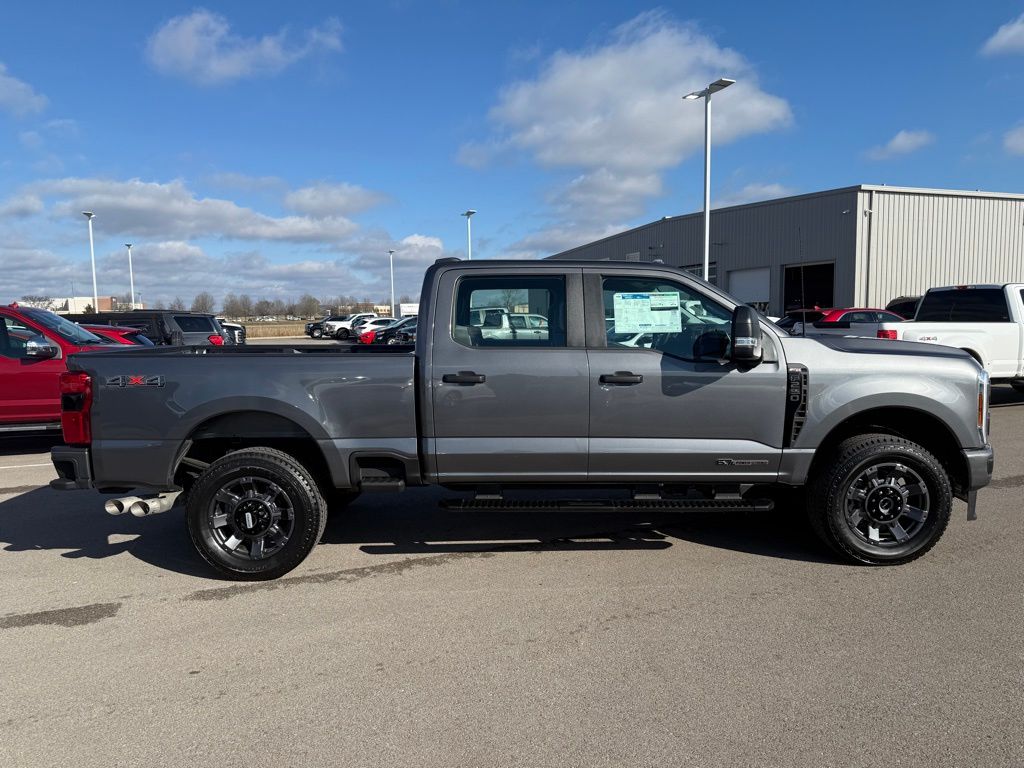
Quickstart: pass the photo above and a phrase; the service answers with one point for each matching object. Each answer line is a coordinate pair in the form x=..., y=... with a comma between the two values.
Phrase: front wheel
x=880, y=500
x=317, y=333
x=255, y=514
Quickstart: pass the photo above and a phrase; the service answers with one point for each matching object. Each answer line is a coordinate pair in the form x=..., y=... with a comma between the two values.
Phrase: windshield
x=67, y=330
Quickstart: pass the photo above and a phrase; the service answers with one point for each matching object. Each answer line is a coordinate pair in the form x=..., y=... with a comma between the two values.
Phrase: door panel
x=678, y=409
x=507, y=409
x=29, y=388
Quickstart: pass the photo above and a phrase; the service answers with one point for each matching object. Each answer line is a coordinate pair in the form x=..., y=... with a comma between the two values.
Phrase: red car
x=118, y=334
x=858, y=315
x=34, y=348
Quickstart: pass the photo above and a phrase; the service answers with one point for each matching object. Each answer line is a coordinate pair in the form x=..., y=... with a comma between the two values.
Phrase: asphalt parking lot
x=415, y=636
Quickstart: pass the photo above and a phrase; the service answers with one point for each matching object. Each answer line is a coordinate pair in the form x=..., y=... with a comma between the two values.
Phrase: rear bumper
x=979, y=467
x=74, y=469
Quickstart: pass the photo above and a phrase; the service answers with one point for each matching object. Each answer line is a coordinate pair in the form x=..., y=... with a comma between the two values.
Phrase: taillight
x=883, y=334
x=217, y=341
x=75, y=405
x=367, y=338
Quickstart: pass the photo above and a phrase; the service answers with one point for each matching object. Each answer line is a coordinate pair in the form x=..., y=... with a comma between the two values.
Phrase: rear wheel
x=255, y=514
x=880, y=500
x=343, y=333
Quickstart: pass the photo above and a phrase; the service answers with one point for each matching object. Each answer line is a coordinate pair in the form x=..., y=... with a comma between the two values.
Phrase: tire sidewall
x=343, y=333
x=939, y=494
x=305, y=530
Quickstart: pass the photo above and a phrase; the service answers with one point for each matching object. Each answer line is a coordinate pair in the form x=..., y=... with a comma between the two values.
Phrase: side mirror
x=41, y=349
x=746, y=336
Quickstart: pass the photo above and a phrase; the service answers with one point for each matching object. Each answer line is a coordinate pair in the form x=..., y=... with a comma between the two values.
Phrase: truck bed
x=348, y=399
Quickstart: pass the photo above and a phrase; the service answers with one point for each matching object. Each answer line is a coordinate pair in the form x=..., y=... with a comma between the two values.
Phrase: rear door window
x=195, y=324
x=484, y=306
x=972, y=305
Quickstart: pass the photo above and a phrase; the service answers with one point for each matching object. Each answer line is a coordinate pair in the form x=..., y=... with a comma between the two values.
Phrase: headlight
x=983, y=395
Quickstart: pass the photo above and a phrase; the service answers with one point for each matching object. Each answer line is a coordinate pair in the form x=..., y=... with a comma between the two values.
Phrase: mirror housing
x=41, y=349
x=746, y=336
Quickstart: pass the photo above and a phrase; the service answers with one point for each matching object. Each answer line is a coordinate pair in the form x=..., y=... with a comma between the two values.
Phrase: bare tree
x=309, y=305
x=42, y=302
x=231, y=306
x=204, y=302
x=245, y=305
x=178, y=304
x=263, y=307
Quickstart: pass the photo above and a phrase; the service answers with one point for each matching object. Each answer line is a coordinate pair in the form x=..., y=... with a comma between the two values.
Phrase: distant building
x=76, y=305
x=856, y=246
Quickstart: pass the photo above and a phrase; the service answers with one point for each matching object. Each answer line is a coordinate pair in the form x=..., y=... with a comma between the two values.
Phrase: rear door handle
x=464, y=377
x=621, y=377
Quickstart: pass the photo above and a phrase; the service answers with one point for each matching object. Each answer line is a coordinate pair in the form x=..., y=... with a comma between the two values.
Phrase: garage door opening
x=806, y=286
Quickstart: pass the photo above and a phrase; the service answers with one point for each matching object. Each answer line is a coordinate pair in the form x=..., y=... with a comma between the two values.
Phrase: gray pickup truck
x=644, y=379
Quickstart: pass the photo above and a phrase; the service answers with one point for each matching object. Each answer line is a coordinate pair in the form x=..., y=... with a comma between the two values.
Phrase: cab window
x=492, y=311
x=657, y=314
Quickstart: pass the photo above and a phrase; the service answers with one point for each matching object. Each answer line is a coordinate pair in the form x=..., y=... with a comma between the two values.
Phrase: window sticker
x=647, y=313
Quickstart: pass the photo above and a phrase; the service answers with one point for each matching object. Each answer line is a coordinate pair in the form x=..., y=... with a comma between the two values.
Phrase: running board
x=669, y=505
x=381, y=484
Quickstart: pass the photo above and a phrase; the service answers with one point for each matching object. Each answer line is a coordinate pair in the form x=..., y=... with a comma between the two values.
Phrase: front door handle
x=621, y=377
x=464, y=377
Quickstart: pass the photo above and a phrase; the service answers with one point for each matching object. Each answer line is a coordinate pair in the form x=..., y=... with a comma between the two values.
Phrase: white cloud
x=754, y=192
x=615, y=112
x=201, y=47
x=1013, y=141
x=1009, y=38
x=30, y=139
x=18, y=97
x=245, y=182
x=20, y=206
x=172, y=211
x=902, y=143
x=325, y=199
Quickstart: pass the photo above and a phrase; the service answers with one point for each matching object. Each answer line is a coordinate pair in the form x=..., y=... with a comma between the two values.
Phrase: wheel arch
x=232, y=430
x=913, y=424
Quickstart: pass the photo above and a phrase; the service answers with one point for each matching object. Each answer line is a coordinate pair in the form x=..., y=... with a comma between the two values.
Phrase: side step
x=612, y=505
x=381, y=484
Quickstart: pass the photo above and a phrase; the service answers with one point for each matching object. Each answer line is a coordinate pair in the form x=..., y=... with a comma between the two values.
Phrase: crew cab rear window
x=968, y=305
x=195, y=324
x=489, y=311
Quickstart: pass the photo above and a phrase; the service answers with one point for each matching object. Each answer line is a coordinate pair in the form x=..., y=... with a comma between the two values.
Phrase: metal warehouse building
x=856, y=246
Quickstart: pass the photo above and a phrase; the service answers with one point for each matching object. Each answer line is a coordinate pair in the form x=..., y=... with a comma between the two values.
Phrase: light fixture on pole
x=715, y=87
x=92, y=256
x=391, y=256
x=131, y=274
x=469, y=233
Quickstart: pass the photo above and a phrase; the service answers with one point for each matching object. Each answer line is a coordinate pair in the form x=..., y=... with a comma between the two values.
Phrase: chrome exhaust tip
x=121, y=505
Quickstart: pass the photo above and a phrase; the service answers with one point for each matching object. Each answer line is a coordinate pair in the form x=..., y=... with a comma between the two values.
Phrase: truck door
x=674, y=408
x=508, y=406
x=29, y=387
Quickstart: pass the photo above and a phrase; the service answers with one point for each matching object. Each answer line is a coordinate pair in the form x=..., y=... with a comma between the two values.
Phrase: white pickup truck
x=986, y=321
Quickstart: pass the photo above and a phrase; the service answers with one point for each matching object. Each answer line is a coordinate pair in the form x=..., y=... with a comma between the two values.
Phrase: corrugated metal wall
x=920, y=239
x=913, y=240
x=807, y=229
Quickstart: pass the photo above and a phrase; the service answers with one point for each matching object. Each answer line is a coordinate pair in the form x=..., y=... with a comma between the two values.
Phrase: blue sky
x=280, y=148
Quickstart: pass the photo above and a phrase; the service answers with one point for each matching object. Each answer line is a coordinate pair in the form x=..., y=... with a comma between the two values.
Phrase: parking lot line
x=23, y=466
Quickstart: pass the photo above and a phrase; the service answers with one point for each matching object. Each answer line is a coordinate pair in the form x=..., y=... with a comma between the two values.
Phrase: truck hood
x=866, y=346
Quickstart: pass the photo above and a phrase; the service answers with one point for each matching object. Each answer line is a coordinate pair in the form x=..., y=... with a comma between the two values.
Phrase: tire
x=1018, y=386
x=317, y=333
x=891, y=482
x=343, y=333
x=255, y=514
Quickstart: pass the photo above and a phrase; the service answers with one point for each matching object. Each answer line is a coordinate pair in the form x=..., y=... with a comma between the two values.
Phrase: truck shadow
x=76, y=523
x=75, y=526
x=19, y=445
x=1004, y=396
x=414, y=524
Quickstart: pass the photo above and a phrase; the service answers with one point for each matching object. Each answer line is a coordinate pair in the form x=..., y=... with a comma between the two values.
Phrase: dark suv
x=166, y=326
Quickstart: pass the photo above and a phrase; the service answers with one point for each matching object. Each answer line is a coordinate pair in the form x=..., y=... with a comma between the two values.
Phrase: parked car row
x=168, y=326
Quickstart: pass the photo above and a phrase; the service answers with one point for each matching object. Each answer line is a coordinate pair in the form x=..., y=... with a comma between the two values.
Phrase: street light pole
x=469, y=233
x=131, y=274
x=391, y=256
x=715, y=87
x=92, y=256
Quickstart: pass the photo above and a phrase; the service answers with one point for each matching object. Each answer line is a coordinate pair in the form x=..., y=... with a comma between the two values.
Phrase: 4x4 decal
x=134, y=381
